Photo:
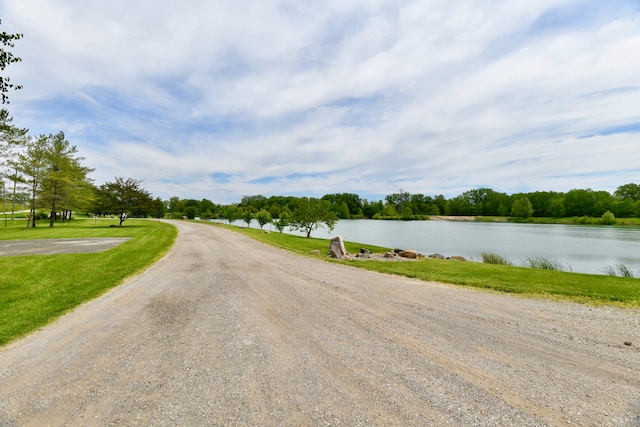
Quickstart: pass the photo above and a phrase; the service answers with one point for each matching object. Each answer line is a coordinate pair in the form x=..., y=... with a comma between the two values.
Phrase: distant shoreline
x=452, y=218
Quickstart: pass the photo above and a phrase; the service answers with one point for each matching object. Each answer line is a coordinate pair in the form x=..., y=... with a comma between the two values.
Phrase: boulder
x=459, y=258
x=390, y=255
x=436, y=256
x=409, y=253
x=365, y=251
x=336, y=248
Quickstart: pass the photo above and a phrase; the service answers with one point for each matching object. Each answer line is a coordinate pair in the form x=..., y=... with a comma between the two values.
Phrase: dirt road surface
x=228, y=331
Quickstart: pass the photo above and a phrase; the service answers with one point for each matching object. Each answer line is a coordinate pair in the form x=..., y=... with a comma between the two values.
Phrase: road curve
x=228, y=331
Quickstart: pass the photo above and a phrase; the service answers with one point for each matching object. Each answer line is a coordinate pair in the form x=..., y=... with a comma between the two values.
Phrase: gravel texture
x=228, y=331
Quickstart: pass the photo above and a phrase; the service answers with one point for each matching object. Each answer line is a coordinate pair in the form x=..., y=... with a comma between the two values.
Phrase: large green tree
x=628, y=191
x=65, y=184
x=125, y=198
x=31, y=164
x=522, y=208
x=579, y=202
x=54, y=175
x=311, y=214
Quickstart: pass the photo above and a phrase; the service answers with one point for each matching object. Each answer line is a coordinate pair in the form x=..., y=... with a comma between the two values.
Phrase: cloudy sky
x=218, y=99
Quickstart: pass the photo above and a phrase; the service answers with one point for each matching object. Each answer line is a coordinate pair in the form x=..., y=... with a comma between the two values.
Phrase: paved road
x=227, y=331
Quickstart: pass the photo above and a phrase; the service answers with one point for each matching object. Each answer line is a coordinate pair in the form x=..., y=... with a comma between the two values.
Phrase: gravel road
x=228, y=331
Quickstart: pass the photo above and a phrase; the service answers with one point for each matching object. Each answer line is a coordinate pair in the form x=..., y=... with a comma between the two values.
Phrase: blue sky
x=220, y=99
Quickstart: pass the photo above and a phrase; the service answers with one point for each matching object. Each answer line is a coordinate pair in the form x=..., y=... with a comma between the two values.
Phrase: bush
x=608, y=218
x=584, y=220
x=41, y=215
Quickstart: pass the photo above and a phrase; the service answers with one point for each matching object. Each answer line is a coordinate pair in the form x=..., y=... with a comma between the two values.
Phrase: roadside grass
x=76, y=228
x=36, y=289
x=530, y=282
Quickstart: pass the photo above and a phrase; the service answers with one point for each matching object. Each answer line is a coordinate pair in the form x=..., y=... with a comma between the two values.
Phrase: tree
x=282, y=222
x=311, y=213
x=125, y=198
x=370, y=209
x=31, y=164
x=158, y=208
x=628, y=191
x=475, y=200
x=579, y=202
x=389, y=210
x=345, y=204
x=190, y=212
x=230, y=213
x=65, y=181
x=263, y=217
x=247, y=216
x=6, y=58
x=399, y=200
x=408, y=213
x=557, y=207
x=522, y=208
x=207, y=205
x=10, y=136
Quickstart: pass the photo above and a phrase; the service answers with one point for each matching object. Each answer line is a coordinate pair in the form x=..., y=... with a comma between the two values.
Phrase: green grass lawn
x=35, y=289
x=577, y=287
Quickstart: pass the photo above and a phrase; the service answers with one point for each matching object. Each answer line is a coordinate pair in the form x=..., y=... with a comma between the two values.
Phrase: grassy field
x=530, y=282
x=38, y=288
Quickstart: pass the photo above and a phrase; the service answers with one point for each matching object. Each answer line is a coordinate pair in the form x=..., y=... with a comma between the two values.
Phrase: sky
x=219, y=99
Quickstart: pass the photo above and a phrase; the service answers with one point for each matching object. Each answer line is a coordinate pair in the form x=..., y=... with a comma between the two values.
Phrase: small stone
x=628, y=343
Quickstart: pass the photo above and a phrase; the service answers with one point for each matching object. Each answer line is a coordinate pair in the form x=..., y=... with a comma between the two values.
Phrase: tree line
x=47, y=172
x=623, y=203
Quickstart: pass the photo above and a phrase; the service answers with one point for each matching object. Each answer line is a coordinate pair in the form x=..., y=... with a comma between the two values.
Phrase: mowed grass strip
x=36, y=289
x=584, y=288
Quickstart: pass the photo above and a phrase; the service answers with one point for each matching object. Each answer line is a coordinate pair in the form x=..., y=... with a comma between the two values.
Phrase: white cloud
x=318, y=97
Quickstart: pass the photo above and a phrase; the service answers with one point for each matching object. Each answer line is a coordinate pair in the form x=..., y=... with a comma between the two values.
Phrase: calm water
x=585, y=249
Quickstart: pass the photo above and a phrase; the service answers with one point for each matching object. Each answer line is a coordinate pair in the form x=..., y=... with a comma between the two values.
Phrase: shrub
x=41, y=215
x=608, y=218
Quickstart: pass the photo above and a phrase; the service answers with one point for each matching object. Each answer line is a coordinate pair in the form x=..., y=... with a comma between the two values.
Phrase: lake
x=585, y=249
